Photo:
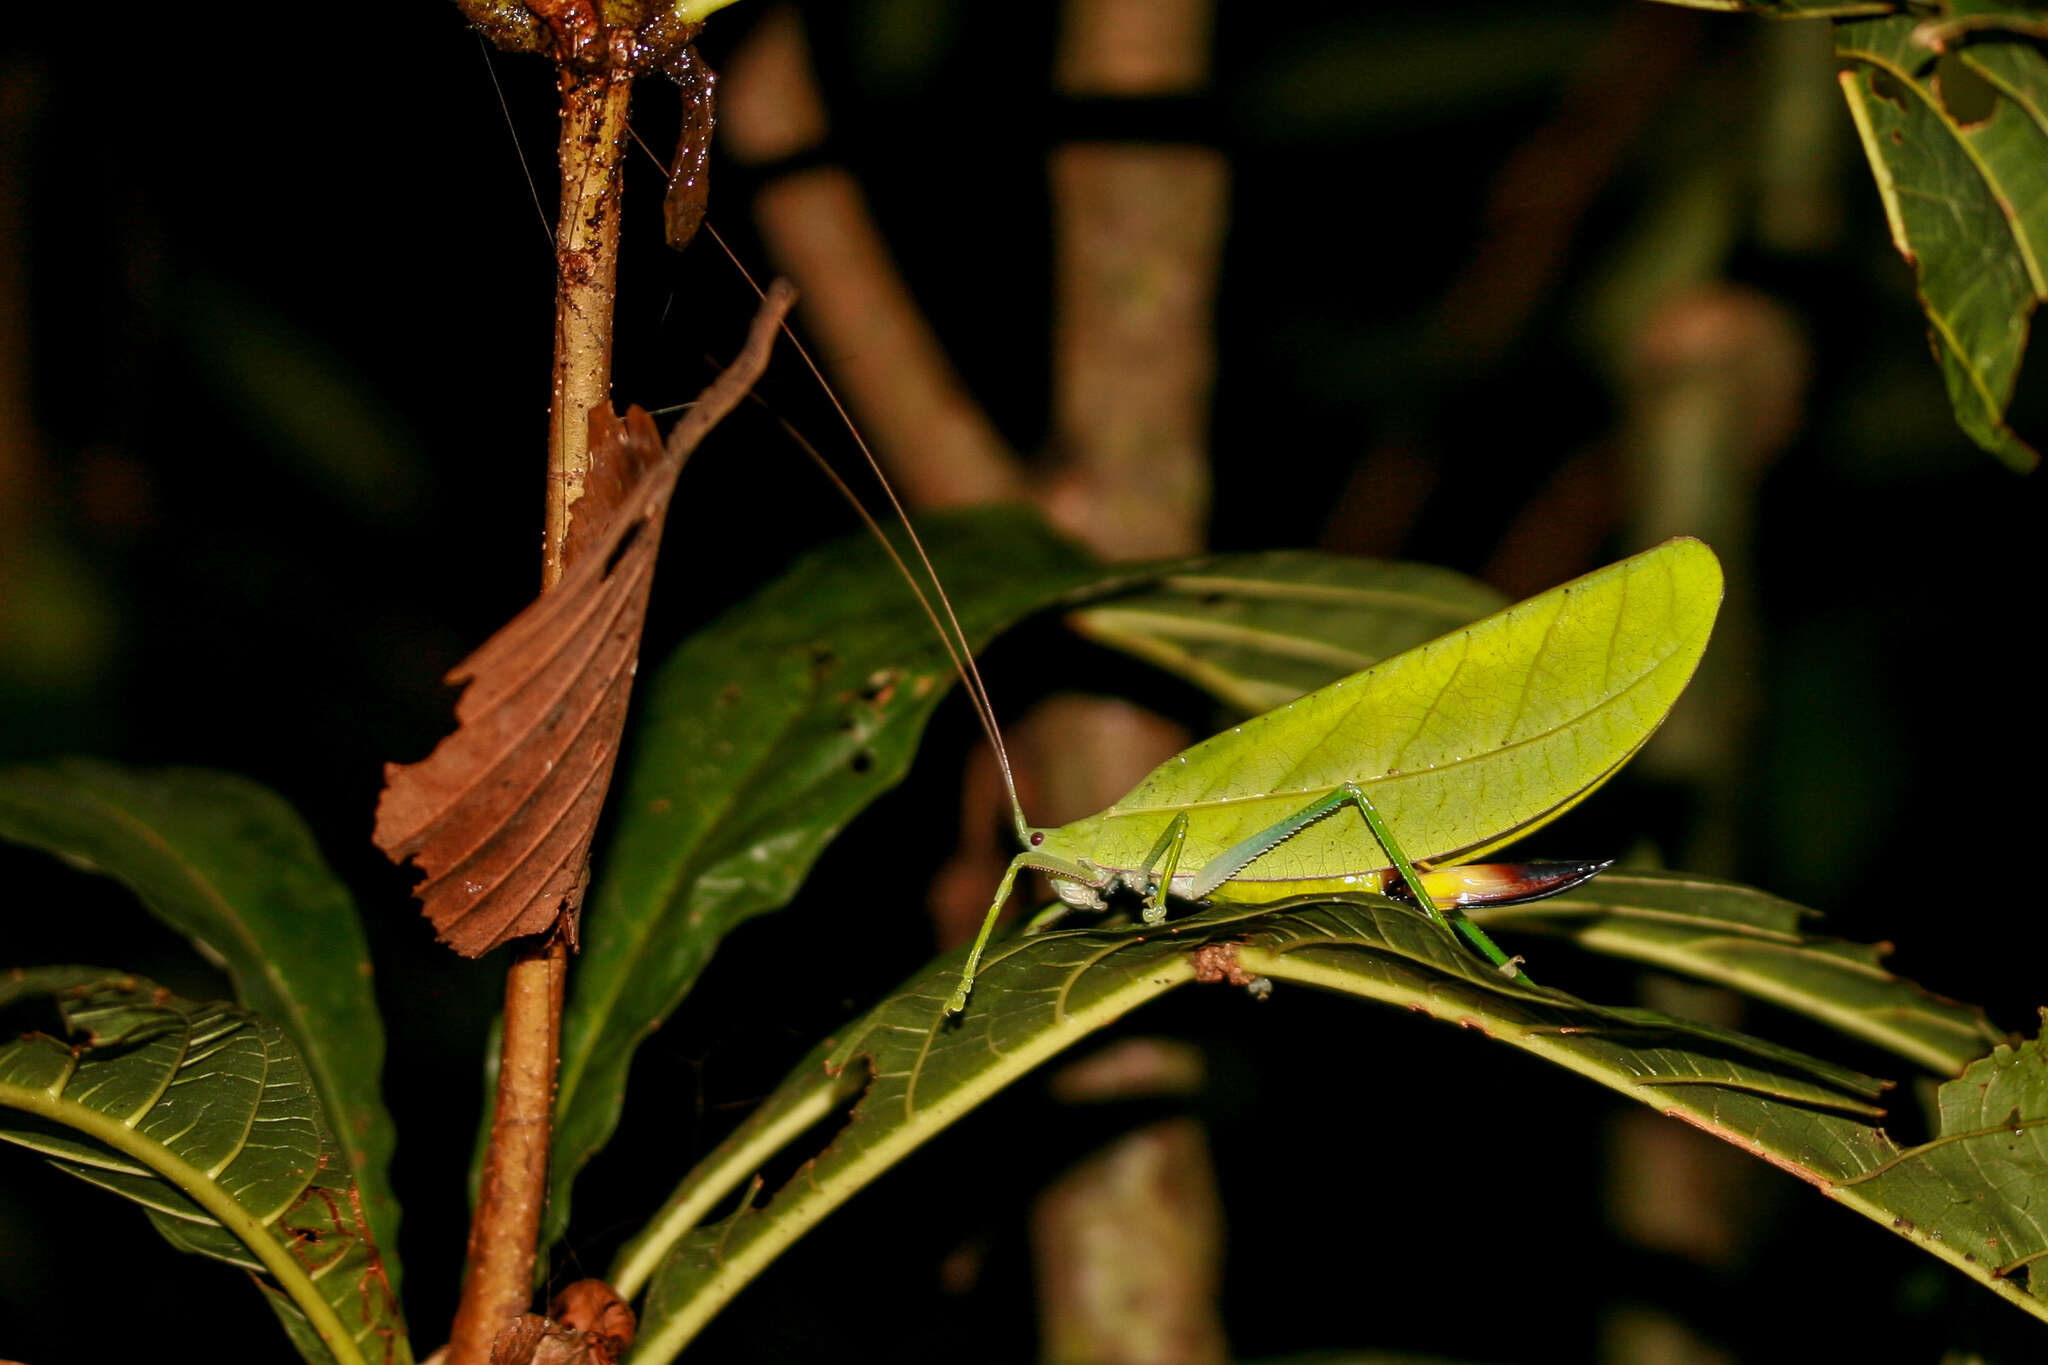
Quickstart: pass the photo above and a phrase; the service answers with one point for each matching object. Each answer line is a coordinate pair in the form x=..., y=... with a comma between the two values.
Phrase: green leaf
x=1257, y=630
x=231, y=866
x=1967, y=202
x=206, y=1116
x=1962, y=18
x=1974, y=1195
x=916, y=1074
x=756, y=742
x=1753, y=942
x=1969, y=1197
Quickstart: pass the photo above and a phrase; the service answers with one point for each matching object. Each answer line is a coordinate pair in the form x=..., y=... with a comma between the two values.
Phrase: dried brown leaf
x=501, y=814
x=587, y=1324
x=595, y=1309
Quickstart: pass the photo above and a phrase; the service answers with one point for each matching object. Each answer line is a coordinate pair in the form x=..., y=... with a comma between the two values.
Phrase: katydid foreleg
x=1080, y=886
x=1065, y=871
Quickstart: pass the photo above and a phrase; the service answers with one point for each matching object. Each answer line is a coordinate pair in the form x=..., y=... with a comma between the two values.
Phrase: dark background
x=285, y=310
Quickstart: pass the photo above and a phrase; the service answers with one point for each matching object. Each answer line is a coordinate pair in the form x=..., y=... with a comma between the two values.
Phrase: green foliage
x=1956, y=132
x=254, y=1133
x=1967, y=202
x=206, y=1116
x=756, y=742
x=915, y=1074
x=232, y=867
x=1758, y=944
x=760, y=739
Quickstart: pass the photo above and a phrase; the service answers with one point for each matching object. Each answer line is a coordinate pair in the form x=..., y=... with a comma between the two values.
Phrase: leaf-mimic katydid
x=1464, y=743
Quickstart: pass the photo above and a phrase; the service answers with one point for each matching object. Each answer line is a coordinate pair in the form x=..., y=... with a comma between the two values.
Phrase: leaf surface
x=204, y=1115
x=1257, y=630
x=228, y=864
x=915, y=1074
x=1967, y=202
x=1758, y=944
x=501, y=815
x=759, y=739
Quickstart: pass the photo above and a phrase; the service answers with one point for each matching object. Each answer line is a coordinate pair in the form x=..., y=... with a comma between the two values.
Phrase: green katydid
x=1466, y=742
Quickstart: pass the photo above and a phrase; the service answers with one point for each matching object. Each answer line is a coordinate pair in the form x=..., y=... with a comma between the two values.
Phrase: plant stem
x=590, y=152
x=503, y=1233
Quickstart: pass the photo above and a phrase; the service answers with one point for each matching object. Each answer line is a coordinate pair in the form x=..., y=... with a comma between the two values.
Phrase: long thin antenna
x=547, y=229
x=956, y=642
x=962, y=661
x=958, y=649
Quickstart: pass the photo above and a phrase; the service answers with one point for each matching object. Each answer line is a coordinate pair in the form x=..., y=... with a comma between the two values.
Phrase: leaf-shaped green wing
x=1463, y=743
x=231, y=866
x=206, y=1116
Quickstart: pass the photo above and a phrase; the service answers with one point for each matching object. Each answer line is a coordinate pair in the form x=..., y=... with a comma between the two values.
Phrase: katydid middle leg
x=1168, y=848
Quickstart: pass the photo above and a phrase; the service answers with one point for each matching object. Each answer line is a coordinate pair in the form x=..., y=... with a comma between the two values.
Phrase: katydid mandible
x=1465, y=743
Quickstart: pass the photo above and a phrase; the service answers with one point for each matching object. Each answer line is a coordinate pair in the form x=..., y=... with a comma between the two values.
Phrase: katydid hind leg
x=1242, y=854
x=1235, y=859
x=1510, y=967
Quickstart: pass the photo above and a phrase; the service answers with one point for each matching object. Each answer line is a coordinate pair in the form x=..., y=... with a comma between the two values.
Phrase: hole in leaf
x=778, y=1170
x=1887, y=87
x=881, y=686
x=1967, y=96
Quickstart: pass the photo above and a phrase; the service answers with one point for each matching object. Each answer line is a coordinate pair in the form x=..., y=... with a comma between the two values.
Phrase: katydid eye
x=1036, y=839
